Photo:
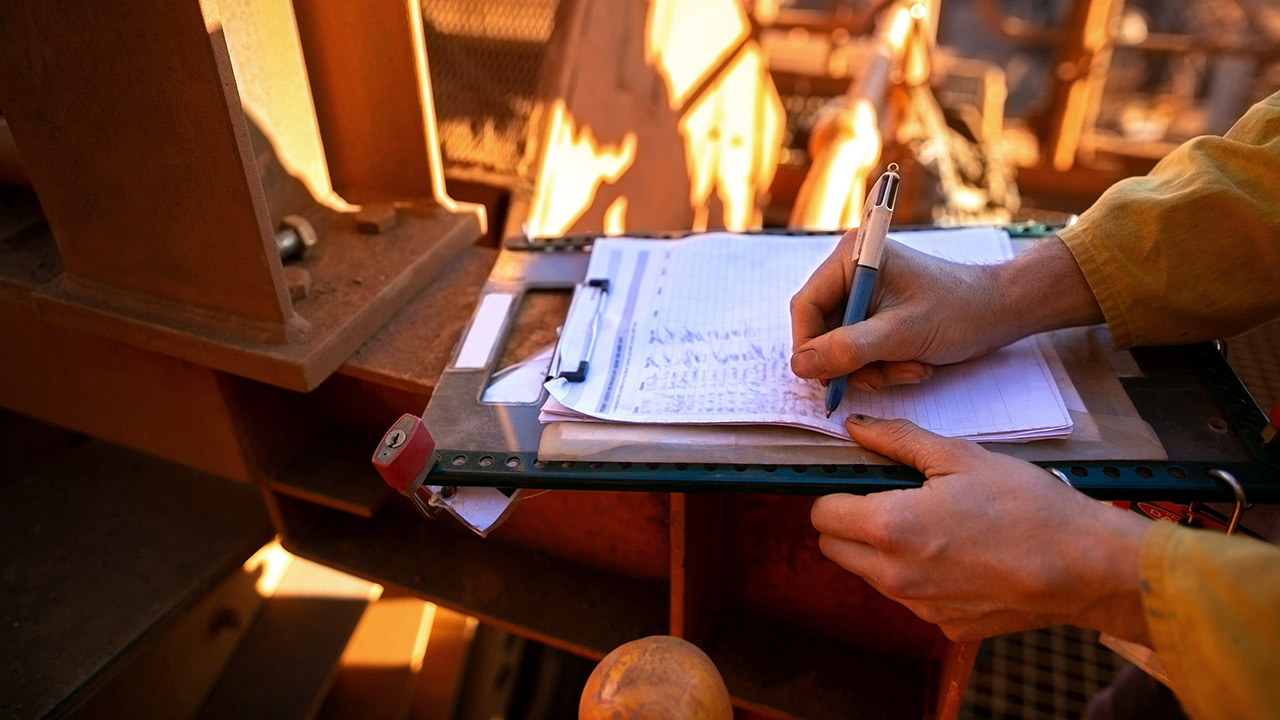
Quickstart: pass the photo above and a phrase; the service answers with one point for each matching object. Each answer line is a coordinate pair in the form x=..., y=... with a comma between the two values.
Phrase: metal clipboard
x=1202, y=413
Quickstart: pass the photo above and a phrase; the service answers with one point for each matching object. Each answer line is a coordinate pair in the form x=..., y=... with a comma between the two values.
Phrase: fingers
x=822, y=349
x=870, y=536
x=887, y=521
x=883, y=374
x=842, y=514
x=823, y=295
x=847, y=349
x=858, y=558
x=912, y=445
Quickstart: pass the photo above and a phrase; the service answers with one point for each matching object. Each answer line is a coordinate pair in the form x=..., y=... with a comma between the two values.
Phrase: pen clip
x=876, y=217
x=573, y=334
x=885, y=192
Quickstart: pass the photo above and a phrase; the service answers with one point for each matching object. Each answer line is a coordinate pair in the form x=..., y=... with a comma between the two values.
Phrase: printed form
x=698, y=330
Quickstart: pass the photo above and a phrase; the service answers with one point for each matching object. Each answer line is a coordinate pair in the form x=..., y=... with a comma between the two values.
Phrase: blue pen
x=868, y=251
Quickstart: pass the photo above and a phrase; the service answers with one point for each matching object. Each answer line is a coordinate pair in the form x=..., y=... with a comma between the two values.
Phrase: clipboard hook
x=1236, y=490
x=578, y=372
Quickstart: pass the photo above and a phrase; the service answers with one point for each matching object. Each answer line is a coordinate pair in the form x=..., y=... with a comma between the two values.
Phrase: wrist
x=1111, y=572
x=1042, y=289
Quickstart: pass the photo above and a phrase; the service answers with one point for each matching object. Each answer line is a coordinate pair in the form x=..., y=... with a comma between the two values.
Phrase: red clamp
x=403, y=456
x=1272, y=430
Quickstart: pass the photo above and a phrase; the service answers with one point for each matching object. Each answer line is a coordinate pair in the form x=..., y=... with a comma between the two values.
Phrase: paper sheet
x=520, y=383
x=697, y=331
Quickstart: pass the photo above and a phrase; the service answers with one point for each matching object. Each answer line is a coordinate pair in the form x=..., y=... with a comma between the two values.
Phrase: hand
x=928, y=311
x=989, y=544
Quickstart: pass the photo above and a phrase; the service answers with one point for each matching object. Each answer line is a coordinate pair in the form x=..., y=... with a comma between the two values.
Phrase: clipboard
x=1199, y=410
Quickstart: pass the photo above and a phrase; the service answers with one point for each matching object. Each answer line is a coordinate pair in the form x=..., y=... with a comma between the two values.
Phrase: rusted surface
x=131, y=130
x=784, y=672
x=562, y=603
x=358, y=283
x=363, y=66
x=158, y=404
x=377, y=218
x=697, y=549
x=412, y=349
x=271, y=78
x=953, y=678
x=148, y=172
x=618, y=532
x=100, y=546
x=12, y=171
x=774, y=568
x=536, y=324
x=28, y=256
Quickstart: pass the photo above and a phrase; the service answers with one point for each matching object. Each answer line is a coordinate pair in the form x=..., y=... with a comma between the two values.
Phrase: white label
x=484, y=332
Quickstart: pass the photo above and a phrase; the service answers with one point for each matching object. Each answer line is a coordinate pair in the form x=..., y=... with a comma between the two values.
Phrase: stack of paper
x=698, y=331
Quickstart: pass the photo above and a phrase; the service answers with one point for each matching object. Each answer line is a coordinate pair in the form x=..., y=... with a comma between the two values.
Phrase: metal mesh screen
x=486, y=59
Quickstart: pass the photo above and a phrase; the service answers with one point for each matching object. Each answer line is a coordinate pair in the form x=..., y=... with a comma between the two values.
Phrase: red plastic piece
x=1274, y=417
x=404, y=454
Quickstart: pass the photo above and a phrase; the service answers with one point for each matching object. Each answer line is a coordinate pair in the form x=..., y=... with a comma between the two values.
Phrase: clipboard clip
x=577, y=344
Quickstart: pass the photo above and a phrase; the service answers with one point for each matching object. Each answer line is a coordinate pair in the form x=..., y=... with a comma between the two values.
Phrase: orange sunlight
x=575, y=167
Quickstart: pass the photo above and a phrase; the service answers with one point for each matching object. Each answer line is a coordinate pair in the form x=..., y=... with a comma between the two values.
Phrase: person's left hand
x=989, y=544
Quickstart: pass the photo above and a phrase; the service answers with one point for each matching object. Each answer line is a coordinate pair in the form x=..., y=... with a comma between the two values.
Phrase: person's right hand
x=927, y=311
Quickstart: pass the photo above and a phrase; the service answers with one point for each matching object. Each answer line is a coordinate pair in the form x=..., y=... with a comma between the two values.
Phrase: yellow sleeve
x=1190, y=251
x=1213, y=609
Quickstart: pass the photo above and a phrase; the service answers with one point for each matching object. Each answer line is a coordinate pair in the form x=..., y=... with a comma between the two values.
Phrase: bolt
x=395, y=439
x=295, y=238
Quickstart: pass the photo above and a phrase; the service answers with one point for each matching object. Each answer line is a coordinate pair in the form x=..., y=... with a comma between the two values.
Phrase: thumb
x=910, y=444
x=846, y=349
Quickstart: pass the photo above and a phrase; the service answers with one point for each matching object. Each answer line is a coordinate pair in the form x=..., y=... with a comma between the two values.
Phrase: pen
x=868, y=250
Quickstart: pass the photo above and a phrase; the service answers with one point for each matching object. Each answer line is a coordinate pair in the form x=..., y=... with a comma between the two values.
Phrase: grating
x=1050, y=673
x=486, y=59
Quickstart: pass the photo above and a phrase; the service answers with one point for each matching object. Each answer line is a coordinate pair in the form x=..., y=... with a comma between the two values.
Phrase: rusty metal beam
x=132, y=130
x=130, y=127
x=368, y=70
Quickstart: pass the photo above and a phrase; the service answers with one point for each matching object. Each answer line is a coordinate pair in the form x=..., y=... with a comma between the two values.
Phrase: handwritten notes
x=698, y=330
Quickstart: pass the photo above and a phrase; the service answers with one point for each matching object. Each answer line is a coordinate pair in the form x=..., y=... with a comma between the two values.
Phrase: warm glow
x=899, y=26
x=731, y=141
x=383, y=640
x=832, y=195
x=685, y=40
x=615, y=217
x=271, y=561
x=720, y=121
x=282, y=574
x=574, y=168
x=266, y=55
x=423, y=637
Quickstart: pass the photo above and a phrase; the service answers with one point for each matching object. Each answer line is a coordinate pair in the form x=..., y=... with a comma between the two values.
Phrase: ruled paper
x=698, y=331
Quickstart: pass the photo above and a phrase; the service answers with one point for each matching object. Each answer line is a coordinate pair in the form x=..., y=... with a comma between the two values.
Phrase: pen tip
x=828, y=414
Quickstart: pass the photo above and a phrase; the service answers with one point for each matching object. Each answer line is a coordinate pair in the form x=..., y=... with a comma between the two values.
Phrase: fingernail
x=864, y=385
x=858, y=419
x=808, y=363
